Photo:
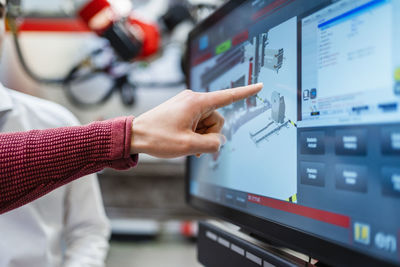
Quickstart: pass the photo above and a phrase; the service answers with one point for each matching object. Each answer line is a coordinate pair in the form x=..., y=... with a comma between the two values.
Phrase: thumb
x=207, y=143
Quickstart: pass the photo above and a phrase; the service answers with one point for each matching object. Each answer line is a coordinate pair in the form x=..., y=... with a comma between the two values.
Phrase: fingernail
x=259, y=84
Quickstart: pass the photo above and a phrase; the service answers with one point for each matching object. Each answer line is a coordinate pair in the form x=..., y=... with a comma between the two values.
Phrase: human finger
x=214, y=121
x=207, y=143
x=216, y=128
x=219, y=99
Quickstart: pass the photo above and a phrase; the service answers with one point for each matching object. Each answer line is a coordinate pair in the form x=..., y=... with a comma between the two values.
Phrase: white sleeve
x=86, y=230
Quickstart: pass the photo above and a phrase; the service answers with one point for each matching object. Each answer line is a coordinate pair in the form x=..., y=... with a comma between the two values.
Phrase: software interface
x=318, y=148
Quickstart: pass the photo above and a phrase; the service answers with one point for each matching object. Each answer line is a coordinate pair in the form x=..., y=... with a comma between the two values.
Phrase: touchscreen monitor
x=318, y=149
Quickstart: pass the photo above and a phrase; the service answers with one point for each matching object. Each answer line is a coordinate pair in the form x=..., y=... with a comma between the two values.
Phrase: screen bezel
x=281, y=235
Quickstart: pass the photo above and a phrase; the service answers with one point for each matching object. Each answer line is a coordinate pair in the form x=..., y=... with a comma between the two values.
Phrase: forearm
x=36, y=162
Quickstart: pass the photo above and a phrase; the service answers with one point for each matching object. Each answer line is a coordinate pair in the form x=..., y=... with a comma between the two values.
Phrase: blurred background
x=50, y=52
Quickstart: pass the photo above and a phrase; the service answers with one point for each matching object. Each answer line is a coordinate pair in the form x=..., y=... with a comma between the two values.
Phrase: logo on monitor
x=362, y=233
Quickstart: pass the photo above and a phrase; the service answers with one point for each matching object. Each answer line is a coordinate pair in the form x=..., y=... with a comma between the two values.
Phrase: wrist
x=138, y=139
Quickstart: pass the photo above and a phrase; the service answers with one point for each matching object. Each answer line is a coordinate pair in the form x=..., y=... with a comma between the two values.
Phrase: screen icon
x=203, y=42
x=351, y=142
x=397, y=74
x=397, y=81
x=390, y=141
x=351, y=177
x=223, y=47
x=306, y=95
x=313, y=93
x=391, y=181
x=312, y=142
x=397, y=88
x=362, y=233
x=312, y=173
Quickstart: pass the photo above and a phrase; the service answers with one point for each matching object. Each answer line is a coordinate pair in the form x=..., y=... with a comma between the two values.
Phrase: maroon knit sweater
x=36, y=162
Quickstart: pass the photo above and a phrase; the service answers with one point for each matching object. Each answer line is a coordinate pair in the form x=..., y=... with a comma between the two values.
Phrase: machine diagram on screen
x=254, y=52
x=277, y=122
x=262, y=123
x=253, y=56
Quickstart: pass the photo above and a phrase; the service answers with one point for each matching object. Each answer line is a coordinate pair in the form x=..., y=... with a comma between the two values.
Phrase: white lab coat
x=66, y=227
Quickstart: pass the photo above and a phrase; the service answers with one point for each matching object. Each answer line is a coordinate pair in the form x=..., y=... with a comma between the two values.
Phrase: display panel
x=318, y=149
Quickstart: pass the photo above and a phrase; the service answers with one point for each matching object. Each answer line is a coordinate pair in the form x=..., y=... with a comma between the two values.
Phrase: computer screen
x=318, y=149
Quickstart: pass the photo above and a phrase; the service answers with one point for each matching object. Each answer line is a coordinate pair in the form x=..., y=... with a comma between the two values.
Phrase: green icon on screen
x=223, y=47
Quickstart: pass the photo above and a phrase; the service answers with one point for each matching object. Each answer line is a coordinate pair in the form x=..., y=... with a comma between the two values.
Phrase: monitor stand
x=221, y=244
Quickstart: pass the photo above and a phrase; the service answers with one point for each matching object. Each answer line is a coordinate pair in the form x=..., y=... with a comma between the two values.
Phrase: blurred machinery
x=126, y=38
x=54, y=51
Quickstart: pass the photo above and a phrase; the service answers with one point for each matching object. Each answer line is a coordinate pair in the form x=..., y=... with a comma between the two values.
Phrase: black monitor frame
x=278, y=234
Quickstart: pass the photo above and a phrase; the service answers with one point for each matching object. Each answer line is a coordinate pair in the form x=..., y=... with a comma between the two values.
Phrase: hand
x=187, y=124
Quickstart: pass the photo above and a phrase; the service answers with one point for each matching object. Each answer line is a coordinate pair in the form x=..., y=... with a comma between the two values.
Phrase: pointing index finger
x=219, y=99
